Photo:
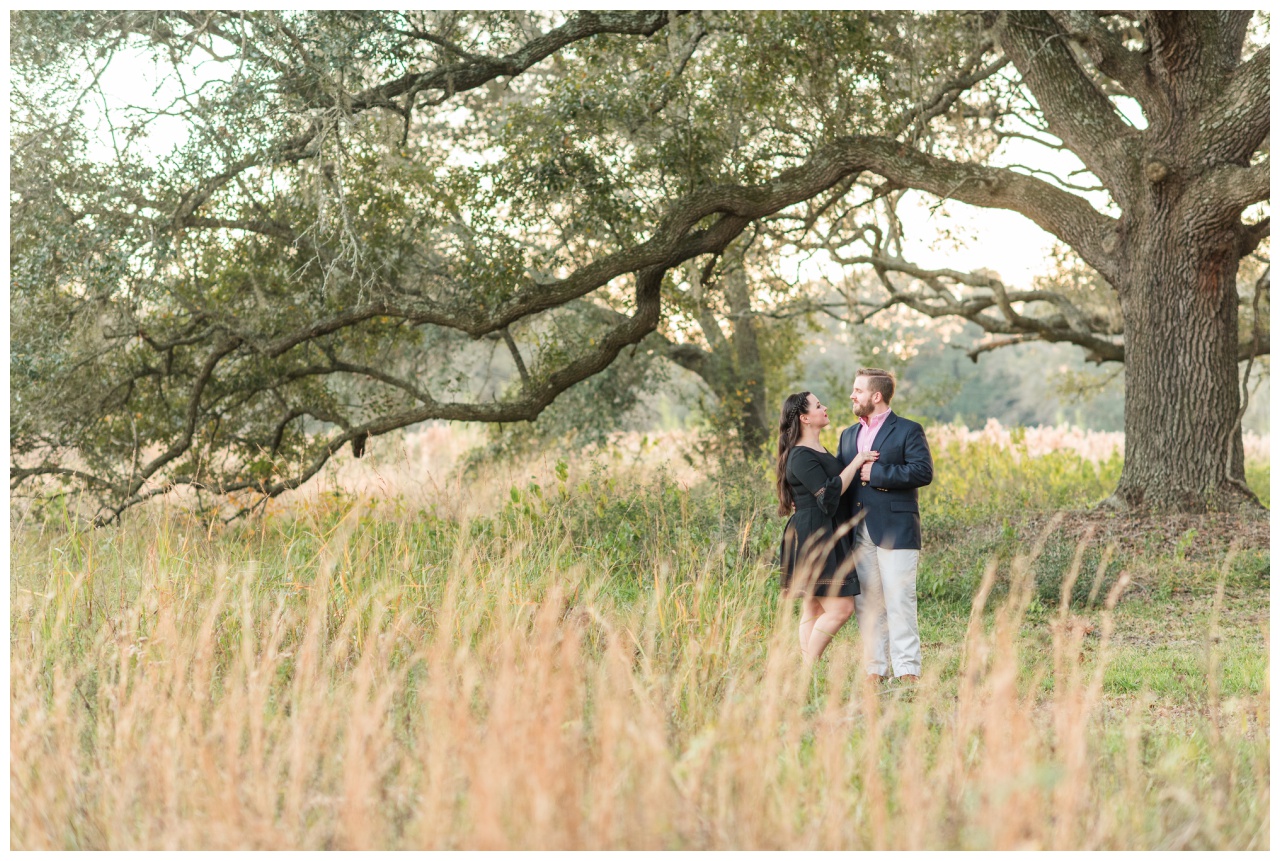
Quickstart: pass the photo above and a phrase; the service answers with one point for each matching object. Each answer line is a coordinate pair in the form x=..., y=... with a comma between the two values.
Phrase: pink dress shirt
x=870, y=427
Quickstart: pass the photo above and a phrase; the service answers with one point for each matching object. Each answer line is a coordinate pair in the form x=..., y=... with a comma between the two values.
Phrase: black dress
x=813, y=560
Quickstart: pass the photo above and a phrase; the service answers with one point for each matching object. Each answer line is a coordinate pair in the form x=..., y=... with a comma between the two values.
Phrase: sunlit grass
x=599, y=659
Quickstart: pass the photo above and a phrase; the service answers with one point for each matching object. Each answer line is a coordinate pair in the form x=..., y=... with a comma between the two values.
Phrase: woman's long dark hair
x=788, y=432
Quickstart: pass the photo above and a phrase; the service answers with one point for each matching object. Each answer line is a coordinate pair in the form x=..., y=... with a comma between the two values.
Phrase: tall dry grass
x=166, y=695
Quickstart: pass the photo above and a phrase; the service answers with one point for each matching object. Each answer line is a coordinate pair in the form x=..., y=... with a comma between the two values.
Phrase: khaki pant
x=887, y=607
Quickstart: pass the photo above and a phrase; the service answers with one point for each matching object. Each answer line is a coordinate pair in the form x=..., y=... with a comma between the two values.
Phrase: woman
x=817, y=558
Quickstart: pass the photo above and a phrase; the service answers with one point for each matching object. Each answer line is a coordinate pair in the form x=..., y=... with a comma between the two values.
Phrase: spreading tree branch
x=1078, y=112
x=1070, y=325
x=1107, y=51
x=1238, y=120
x=1254, y=234
x=1232, y=188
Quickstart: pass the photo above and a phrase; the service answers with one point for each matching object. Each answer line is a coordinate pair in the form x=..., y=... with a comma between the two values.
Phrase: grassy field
x=597, y=657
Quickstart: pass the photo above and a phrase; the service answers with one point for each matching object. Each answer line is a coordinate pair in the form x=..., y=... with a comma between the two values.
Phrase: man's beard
x=862, y=410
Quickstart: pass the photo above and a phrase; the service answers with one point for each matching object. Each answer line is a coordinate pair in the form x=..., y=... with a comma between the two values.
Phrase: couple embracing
x=853, y=541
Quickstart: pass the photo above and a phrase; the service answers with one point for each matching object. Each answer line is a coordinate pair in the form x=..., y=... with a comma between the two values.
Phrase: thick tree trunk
x=1182, y=181
x=1183, y=442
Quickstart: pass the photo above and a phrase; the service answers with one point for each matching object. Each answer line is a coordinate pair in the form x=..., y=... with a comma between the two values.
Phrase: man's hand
x=866, y=470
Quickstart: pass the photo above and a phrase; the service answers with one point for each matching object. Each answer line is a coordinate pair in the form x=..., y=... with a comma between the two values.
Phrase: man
x=882, y=503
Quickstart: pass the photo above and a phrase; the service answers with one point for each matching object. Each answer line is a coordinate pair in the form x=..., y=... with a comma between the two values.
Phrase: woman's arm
x=808, y=470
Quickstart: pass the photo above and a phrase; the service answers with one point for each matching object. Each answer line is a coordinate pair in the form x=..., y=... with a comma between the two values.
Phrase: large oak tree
x=356, y=200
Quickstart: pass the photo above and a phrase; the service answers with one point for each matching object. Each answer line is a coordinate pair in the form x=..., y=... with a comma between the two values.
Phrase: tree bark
x=1184, y=448
x=1182, y=184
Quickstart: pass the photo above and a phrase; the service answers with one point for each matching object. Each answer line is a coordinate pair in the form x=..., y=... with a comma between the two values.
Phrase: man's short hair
x=879, y=380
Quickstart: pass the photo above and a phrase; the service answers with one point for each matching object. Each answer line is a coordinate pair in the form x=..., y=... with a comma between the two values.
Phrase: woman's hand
x=865, y=459
x=859, y=460
x=862, y=458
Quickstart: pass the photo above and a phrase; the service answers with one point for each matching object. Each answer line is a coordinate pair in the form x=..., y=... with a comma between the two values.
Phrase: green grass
x=1258, y=476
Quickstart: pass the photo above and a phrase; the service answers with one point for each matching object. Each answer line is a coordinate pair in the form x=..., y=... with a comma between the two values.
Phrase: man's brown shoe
x=909, y=679
x=876, y=678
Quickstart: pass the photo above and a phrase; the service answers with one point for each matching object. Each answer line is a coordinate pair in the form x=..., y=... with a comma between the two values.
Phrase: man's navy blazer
x=888, y=501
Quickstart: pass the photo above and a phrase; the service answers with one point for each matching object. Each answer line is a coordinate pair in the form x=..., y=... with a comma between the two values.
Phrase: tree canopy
x=355, y=200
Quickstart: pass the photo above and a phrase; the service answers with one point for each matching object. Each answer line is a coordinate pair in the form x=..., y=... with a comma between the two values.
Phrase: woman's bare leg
x=835, y=612
x=810, y=610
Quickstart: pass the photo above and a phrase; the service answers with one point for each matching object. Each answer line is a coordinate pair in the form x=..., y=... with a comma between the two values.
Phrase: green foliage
x=981, y=479
x=720, y=413
x=304, y=228
x=1258, y=476
x=588, y=413
x=945, y=385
